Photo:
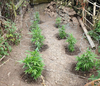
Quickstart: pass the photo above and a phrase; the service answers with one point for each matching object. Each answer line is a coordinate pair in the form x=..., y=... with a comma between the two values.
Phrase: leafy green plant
x=71, y=43
x=62, y=32
x=58, y=22
x=95, y=34
x=33, y=64
x=12, y=35
x=37, y=17
x=4, y=47
x=37, y=37
x=34, y=24
x=86, y=61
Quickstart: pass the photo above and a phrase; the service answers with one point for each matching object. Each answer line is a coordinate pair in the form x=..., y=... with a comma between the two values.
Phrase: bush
x=62, y=32
x=86, y=61
x=71, y=42
x=33, y=64
x=58, y=21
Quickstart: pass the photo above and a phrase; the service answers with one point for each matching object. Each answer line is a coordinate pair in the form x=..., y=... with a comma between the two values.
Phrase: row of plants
x=33, y=63
x=87, y=60
x=8, y=37
x=62, y=34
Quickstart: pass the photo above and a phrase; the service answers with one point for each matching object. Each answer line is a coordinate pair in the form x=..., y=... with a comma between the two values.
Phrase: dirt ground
x=58, y=64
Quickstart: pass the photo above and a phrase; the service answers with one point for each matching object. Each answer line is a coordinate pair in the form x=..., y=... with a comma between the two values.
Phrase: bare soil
x=57, y=63
x=58, y=37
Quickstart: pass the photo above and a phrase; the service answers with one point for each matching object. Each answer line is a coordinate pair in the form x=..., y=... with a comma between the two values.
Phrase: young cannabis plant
x=37, y=37
x=33, y=64
x=34, y=24
x=37, y=17
x=71, y=43
x=86, y=61
x=12, y=35
x=62, y=32
x=58, y=22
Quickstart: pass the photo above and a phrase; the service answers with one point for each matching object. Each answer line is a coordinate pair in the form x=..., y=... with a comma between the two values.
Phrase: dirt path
x=58, y=64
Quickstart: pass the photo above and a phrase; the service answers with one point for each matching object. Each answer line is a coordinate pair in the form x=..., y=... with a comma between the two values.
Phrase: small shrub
x=12, y=35
x=33, y=64
x=71, y=42
x=37, y=37
x=62, y=32
x=58, y=22
x=86, y=61
x=95, y=34
x=37, y=17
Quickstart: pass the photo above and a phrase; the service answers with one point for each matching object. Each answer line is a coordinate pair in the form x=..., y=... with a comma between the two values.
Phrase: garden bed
x=57, y=63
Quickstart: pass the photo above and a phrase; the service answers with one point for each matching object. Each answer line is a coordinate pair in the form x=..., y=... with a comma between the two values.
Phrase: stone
x=71, y=13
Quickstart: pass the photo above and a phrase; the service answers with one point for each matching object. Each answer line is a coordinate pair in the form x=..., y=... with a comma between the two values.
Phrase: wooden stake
x=94, y=12
x=86, y=33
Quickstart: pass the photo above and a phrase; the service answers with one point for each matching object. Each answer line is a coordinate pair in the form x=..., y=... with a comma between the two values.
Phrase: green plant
x=12, y=35
x=58, y=21
x=86, y=61
x=4, y=47
x=98, y=49
x=37, y=37
x=95, y=34
x=33, y=64
x=37, y=17
x=71, y=42
x=34, y=24
x=62, y=32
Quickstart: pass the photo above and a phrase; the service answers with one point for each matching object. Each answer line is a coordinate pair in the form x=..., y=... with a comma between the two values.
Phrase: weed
x=58, y=22
x=62, y=32
x=33, y=64
x=71, y=42
x=86, y=61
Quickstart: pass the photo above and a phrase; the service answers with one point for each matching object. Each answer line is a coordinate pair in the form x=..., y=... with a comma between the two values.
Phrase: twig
x=2, y=58
x=4, y=63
